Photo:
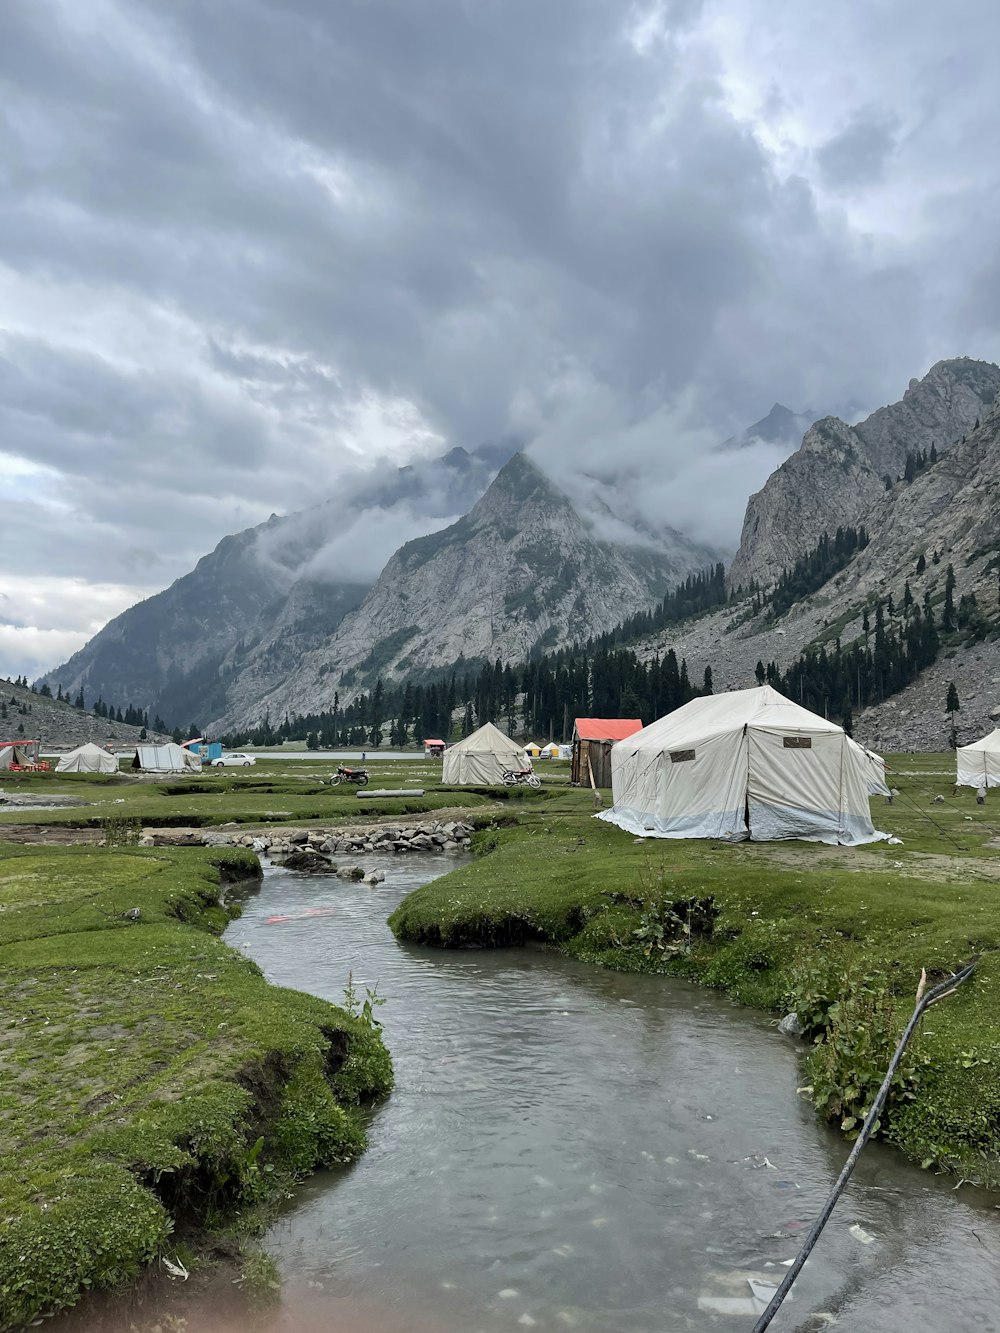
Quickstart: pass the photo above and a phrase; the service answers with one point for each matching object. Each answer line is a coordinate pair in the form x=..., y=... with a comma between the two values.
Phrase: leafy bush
x=855, y=1027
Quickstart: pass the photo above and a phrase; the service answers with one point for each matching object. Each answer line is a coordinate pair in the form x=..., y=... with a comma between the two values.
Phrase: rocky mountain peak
x=520, y=486
x=780, y=426
x=839, y=474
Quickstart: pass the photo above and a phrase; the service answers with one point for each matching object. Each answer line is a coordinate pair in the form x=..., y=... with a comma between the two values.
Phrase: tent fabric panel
x=728, y=825
x=699, y=797
x=978, y=764
x=816, y=792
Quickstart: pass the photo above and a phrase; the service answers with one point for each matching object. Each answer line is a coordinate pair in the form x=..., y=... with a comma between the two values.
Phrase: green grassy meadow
x=152, y=1083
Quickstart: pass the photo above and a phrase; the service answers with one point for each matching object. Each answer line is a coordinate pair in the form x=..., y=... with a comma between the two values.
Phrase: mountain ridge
x=519, y=571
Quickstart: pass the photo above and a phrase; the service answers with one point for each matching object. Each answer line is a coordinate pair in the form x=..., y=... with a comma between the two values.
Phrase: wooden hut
x=593, y=738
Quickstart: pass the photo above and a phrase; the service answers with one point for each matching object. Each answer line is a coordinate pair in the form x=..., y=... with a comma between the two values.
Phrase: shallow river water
x=573, y=1148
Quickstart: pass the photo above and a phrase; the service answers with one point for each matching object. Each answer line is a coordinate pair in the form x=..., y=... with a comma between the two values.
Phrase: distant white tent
x=482, y=758
x=89, y=758
x=167, y=758
x=979, y=763
x=550, y=751
x=745, y=764
x=532, y=749
x=12, y=756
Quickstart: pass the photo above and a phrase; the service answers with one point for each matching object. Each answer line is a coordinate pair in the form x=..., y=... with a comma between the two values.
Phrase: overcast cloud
x=248, y=247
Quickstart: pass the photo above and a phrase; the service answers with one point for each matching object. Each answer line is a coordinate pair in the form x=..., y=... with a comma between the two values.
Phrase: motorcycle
x=521, y=777
x=357, y=775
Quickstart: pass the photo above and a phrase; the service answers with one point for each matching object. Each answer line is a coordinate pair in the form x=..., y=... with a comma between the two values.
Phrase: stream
x=573, y=1148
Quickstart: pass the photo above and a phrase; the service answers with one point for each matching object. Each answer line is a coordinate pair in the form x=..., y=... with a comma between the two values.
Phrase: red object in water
x=273, y=920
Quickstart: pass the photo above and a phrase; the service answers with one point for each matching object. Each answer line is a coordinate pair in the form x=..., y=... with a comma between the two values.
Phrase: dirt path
x=918, y=864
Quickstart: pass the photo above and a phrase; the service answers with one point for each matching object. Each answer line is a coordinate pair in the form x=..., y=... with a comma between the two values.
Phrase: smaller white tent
x=12, y=756
x=979, y=763
x=482, y=758
x=167, y=758
x=89, y=758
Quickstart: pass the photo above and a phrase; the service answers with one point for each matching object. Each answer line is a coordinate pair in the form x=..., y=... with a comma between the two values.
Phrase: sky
x=250, y=248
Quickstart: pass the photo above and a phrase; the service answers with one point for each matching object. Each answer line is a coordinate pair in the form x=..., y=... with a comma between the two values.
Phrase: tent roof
x=488, y=739
x=87, y=748
x=717, y=714
x=607, y=728
x=431, y=741
x=990, y=742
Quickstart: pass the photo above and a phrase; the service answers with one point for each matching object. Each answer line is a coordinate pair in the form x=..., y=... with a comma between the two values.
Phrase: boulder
x=790, y=1026
x=297, y=837
x=307, y=861
x=350, y=872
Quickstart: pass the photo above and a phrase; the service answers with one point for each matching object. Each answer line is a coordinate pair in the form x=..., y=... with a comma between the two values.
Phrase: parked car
x=235, y=759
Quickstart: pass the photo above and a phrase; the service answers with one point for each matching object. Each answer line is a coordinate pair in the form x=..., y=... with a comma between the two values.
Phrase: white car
x=234, y=760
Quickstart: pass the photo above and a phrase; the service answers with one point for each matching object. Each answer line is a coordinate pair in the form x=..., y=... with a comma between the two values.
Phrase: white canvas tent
x=746, y=764
x=979, y=763
x=89, y=758
x=14, y=755
x=482, y=758
x=167, y=758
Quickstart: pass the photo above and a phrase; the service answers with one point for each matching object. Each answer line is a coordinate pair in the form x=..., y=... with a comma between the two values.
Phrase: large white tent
x=979, y=763
x=89, y=758
x=483, y=758
x=746, y=764
x=167, y=758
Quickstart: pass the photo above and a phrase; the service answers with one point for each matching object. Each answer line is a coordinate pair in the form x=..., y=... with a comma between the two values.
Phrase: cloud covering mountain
x=248, y=250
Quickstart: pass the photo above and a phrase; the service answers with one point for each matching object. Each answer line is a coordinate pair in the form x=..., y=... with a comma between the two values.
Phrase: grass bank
x=838, y=934
x=152, y=1084
x=294, y=792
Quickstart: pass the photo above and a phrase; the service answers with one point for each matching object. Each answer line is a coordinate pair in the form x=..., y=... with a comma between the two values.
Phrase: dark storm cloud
x=859, y=153
x=243, y=243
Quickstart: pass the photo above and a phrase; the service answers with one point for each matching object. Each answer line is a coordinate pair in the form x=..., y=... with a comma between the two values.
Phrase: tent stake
x=925, y=998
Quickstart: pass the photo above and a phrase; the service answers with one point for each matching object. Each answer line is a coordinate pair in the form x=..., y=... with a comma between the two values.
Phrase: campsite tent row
x=745, y=764
x=551, y=751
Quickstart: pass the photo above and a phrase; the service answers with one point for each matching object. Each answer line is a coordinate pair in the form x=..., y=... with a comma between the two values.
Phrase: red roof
x=434, y=742
x=607, y=728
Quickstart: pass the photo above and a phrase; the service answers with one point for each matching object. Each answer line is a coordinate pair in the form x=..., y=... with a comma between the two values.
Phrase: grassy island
x=152, y=1084
x=838, y=935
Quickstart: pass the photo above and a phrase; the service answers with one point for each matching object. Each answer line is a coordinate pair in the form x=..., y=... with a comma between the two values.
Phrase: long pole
x=924, y=999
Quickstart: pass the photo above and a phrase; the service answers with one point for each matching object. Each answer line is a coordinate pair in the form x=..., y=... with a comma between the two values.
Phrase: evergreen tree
x=377, y=706
x=706, y=685
x=846, y=715
x=921, y=563
x=759, y=672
